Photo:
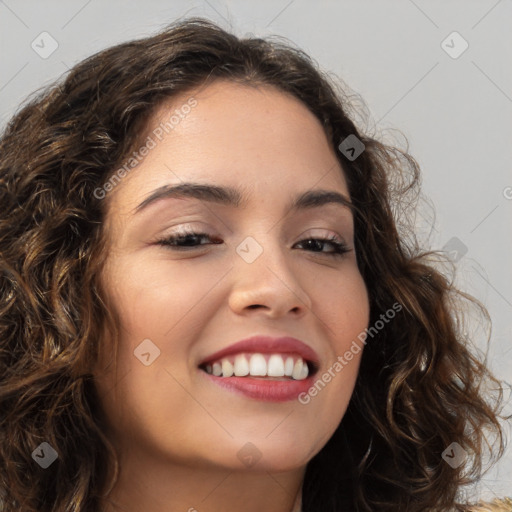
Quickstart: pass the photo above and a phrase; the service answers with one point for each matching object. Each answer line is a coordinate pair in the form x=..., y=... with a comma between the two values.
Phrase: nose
x=270, y=284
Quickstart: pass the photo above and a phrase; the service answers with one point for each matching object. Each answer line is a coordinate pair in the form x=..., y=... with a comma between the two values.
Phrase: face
x=257, y=266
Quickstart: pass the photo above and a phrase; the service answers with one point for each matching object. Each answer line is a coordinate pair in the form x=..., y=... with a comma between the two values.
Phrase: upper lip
x=266, y=345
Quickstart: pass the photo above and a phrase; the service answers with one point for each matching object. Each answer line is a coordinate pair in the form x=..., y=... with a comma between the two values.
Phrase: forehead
x=241, y=117
x=235, y=134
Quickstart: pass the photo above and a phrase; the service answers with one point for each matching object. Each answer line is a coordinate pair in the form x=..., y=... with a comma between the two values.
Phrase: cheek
x=350, y=324
x=153, y=296
x=155, y=302
x=345, y=310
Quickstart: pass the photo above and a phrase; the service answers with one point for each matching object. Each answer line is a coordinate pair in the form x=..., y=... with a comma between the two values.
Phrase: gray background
x=455, y=112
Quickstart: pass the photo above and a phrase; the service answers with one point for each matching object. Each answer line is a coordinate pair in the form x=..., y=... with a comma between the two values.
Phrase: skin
x=178, y=434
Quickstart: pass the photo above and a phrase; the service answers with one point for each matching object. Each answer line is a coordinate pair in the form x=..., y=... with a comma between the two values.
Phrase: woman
x=306, y=356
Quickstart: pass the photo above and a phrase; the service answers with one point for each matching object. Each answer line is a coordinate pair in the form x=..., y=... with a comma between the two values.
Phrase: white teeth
x=217, y=369
x=288, y=366
x=275, y=366
x=297, y=369
x=241, y=367
x=258, y=366
x=227, y=368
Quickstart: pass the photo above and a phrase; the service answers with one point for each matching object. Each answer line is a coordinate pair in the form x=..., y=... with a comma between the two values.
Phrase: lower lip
x=261, y=389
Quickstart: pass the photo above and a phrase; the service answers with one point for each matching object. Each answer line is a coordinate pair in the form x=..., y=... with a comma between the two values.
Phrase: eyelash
x=340, y=248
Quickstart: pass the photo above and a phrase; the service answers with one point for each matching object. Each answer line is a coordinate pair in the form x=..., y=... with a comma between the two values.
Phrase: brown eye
x=340, y=247
x=185, y=240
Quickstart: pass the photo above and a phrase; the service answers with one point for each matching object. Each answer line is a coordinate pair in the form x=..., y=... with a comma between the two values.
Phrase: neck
x=161, y=487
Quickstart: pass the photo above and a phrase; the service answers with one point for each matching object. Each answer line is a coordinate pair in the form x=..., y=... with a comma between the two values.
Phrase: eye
x=187, y=240
x=340, y=247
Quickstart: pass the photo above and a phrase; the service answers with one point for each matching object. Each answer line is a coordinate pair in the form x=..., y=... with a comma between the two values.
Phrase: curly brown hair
x=420, y=387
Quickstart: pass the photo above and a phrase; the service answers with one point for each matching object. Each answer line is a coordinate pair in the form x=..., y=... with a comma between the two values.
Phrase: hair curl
x=419, y=388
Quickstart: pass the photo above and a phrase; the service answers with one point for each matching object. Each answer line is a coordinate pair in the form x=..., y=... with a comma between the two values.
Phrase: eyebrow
x=229, y=196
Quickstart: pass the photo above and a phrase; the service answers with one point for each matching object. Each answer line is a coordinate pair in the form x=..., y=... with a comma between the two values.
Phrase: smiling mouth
x=279, y=367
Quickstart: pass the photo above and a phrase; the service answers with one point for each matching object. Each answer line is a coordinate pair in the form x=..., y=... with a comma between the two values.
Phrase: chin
x=277, y=455
x=256, y=455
